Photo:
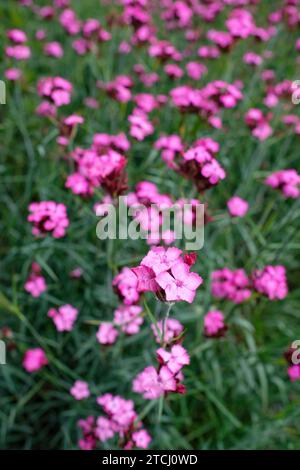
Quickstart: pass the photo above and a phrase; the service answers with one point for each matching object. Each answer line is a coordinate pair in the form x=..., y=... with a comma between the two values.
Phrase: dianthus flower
x=286, y=181
x=80, y=390
x=140, y=126
x=258, y=123
x=55, y=89
x=237, y=207
x=106, y=333
x=129, y=318
x=35, y=283
x=48, y=217
x=233, y=285
x=64, y=317
x=125, y=285
x=121, y=419
x=164, y=272
x=214, y=324
x=153, y=383
x=34, y=359
x=271, y=282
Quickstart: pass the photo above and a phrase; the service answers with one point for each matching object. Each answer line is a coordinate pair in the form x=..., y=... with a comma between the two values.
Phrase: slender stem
x=152, y=320
x=165, y=320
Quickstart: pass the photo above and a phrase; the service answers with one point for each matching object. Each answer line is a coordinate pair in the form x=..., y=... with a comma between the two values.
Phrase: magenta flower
x=214, y=324
x=34, y=359
x=271, y=282
x=180, y=284
x=48, y=217
x=80, y=390
x=106, y=333
x=237, y=207
x=64, y=317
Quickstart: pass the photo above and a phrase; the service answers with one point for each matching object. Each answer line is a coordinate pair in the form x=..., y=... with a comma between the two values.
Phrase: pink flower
x=13, y=74
x=173, y=329
x=35, y=283
x=271, y=282
x=80, y=390
x=17, y=36
x=56, y=89
x=252, y=59
x=34, y=359
x=54, y=49
x=19, y=52
x=48, y=216
x=160, y=259
x=180, y=284
x=176, y=359
x=129, y=318
x=140, y=127
x=64, y=317
x=195, y=70
x=294, y=372
x=126, y=286
x=214, y=325
x=286, y=181
x=141, y=438
x=237, y=207
x=233, y=285
x=106, y=333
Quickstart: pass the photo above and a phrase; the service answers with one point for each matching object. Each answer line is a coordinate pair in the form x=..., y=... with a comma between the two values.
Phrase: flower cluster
x=99, y=166
x=286, y=181
x=258, y=123
x=64, y=317
x=271, y=282
x=121, y=419
x=56, y=90
x=232, y=285
x=48, y=217
x=214, y=324
x=165, y=272
x=153, y=383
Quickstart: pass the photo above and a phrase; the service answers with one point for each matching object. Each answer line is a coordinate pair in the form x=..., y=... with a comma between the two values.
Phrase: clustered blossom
x=64, y=317
x=127, y=318
x=214, y=324
x=18, y=50
x=237, y=207
x=125, y=285
x=80, y=390
x=36, y=283
x=271, y=282
x=48, y=217
x=286, y=181
x=165, y=272
x=232, y=285
x=34, y=359
x=258, y=123
x=100, y=166
x=198, y=163
x=207, y=101
x=152, y=383
x=121, y=419
x=57, y=90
